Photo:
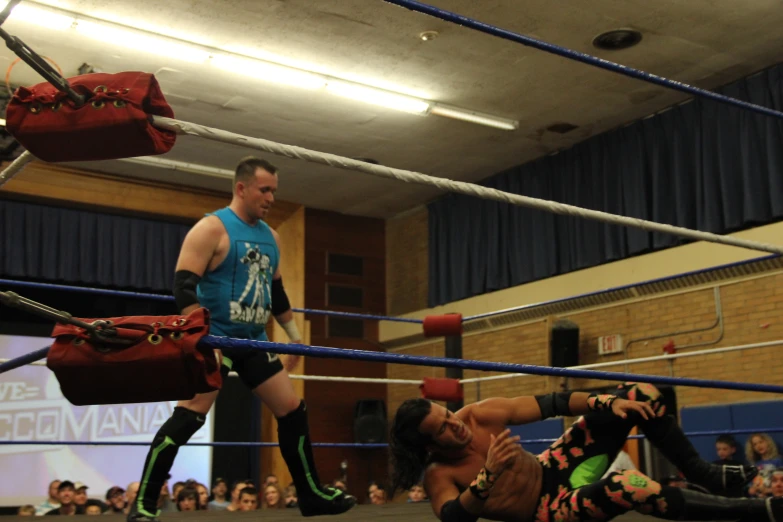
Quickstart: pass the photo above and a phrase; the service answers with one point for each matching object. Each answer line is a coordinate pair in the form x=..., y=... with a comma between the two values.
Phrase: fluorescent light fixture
x=268, y=71
x=193, y=168
x=474, y=117
x=41, y=17
x=290, y=72
x=377, y=97
x=2, y=122
x=141, y=41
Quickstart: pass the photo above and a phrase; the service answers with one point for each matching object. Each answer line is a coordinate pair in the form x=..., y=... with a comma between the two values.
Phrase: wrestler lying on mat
x=473, y=467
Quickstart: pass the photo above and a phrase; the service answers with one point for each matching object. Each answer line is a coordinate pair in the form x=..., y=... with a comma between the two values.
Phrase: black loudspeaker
x=369, y=421
x=564, y=344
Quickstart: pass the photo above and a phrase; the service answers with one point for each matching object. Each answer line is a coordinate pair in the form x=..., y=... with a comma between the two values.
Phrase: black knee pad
x=181, y=426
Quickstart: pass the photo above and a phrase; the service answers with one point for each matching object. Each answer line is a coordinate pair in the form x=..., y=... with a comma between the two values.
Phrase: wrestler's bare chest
x=515, y=495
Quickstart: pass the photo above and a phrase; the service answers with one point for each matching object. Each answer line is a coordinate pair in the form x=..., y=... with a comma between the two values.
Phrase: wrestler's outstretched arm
x=526, y=409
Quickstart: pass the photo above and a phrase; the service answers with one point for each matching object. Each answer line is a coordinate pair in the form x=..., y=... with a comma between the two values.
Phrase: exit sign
x=610, y=344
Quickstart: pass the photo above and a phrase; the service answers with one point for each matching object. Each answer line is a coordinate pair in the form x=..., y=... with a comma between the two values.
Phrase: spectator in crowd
x=235, y=490
x=270, y=479
x=92, y=509
x=776, y=484
x=187, y=499
x=28, y=510
x=378, y=497
x=371, y=489
x=416, y=493
x=115, y=498
x=80, y=495
x=248, y=499
x=176, y=488
x=65, y=494
x=762, y=452
x=52, y=502
x=219, y=490
x=273, y=497
x=203, y=496
x=82, y=499
x=726, y=447
x=289, y=497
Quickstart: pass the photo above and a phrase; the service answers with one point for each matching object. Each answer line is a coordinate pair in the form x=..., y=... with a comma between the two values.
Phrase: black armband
x=185, y=283
x=454, y=511
x=280, y=302
x=554, y=404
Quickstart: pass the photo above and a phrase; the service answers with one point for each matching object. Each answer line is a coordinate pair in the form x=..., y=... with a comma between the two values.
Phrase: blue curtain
x=52, y=244
x=701, y=165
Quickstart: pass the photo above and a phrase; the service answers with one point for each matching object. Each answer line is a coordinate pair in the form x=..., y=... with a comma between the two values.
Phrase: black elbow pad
x=554, y=404
x=280, y=302
x=454, y=511
x=185, y=283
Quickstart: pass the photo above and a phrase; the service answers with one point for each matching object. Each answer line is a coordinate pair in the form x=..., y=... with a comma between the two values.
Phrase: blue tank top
x=238, y=292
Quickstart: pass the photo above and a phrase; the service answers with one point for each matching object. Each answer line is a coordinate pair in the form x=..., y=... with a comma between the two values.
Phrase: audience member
x=248, y=499
x=52, y=502
x=273, y=497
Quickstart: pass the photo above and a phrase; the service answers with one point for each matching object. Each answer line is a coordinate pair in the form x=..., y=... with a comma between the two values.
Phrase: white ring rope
x=192, y=129
x=638, y=360
x=15, y=167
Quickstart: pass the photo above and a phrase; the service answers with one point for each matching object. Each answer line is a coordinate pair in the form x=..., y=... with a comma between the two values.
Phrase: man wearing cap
x=80, y=495
x=66, y=492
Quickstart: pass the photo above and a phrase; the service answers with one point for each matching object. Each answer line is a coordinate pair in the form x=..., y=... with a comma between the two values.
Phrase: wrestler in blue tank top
x=238, y=292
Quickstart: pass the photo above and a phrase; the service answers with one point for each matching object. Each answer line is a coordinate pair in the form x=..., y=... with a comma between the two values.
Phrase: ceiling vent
x=617, y=39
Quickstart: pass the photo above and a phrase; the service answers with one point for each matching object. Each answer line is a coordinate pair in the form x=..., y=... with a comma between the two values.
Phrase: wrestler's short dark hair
x=246, y=169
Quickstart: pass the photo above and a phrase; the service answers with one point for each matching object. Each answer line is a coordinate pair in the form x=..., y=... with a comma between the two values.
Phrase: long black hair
x=408, y=453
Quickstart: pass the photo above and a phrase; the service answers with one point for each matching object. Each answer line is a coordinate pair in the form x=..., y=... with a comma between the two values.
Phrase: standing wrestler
x=473, y=468
x=229, y=264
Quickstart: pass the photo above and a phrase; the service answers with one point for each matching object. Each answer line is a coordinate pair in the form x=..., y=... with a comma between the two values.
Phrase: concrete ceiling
x=706, y=43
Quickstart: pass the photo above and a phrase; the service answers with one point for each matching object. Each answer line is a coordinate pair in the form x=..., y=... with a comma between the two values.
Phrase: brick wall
x=407, y=262
x=751, y=312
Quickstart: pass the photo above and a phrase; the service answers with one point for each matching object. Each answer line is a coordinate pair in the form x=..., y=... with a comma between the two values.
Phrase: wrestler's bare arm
x=501, y=411
x=198, y=248
x=522, y=410
x=440, y=488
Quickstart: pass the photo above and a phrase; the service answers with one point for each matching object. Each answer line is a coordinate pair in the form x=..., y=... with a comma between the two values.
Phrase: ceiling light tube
x=41, y=17
x=474, y=117
x=193, y=168
x=142, y=41
x=379, y=97
x=268, y=71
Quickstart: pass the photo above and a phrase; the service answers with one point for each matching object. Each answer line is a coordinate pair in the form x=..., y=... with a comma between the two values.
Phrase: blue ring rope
x=24, y=360
x=163, y=297
x=580, y=57
x=468, y=364
x=335, y=444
